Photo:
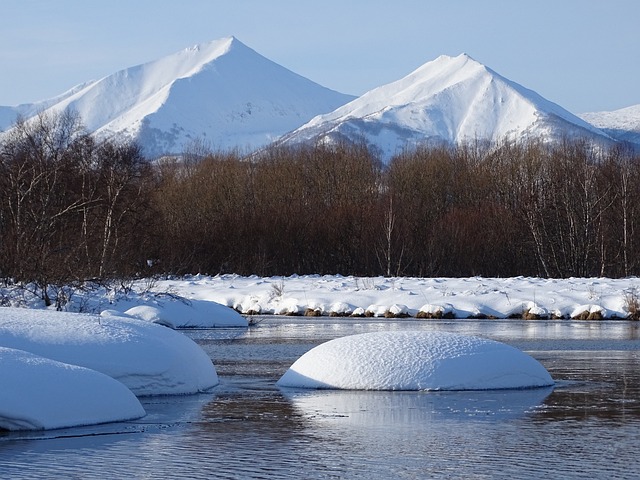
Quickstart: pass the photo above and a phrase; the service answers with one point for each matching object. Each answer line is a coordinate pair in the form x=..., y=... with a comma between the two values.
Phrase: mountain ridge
x=227, y=96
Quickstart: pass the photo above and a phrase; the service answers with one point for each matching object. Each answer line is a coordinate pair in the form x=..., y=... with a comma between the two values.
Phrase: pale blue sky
x=582, y=54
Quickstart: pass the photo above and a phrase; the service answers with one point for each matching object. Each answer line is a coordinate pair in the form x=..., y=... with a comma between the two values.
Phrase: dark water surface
x=587, y=426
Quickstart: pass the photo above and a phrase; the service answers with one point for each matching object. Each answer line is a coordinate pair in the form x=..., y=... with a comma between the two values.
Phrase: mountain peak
x=462, y=57
x=221, y=92
x=221, y=46
x=451, y=67
x=447, y=100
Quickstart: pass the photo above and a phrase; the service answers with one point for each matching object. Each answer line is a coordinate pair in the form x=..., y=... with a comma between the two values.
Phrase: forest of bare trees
x=74, y=209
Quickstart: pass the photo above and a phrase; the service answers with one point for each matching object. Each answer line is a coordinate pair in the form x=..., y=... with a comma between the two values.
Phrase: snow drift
x=415, y=361
x=188, y=314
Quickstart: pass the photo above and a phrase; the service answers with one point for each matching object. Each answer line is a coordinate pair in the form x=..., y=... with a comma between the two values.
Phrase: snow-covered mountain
x=8, y=115
x=451, y=100
x=623, y=124
x=222, y=92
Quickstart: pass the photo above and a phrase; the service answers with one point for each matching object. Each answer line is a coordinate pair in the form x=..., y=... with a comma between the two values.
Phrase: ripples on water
x=588, y=426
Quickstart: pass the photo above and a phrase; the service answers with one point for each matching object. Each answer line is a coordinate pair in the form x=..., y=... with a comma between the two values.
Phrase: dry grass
x=632, y=304
x=527, y=315
x=586, y=315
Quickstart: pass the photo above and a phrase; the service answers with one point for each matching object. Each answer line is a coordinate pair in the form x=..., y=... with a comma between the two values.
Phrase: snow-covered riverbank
x=379, y=296
x=192, y=301
x=117, y=336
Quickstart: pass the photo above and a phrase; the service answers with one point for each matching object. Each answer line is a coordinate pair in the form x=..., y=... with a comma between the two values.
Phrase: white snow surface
x=464, y=297
x=188, y=313
x=415, y=361
x=222, y=93
x=149, y=359
x=622, y=124
x=449, y=100
x=40, y=393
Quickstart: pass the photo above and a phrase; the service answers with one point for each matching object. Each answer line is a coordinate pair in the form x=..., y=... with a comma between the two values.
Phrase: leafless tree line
x=71, y=209
x=74, y=209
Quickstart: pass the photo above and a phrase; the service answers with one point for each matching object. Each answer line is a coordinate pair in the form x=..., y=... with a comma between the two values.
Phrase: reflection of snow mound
x=408, y=409
x=415, y=361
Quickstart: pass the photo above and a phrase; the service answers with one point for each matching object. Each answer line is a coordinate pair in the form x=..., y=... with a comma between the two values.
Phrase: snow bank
x=466, y=297
x=436, y=311
x=149, y=359
x=189, y=314
x=415, y=361
x=39, y=393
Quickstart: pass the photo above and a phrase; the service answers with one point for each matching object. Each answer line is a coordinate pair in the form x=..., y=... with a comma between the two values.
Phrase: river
x=587, y=426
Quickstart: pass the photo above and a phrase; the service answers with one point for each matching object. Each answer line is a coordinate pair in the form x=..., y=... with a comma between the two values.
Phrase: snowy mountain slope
x=622, y=124
x=8, y=115
x=450, y=99
x=221, y=92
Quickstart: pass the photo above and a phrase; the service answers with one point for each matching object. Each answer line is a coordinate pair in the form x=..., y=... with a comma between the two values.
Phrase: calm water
x=588, y=426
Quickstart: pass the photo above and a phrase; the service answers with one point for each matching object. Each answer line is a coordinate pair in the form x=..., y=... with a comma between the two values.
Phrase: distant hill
x=623, y=124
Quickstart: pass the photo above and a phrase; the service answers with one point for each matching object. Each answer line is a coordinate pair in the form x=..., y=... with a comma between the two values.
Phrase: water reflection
x=602, y=385
x=164, y=413
x=367, y=409
x=263, y=413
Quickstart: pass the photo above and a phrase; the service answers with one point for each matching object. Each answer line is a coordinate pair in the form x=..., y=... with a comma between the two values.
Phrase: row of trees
x=73, y=208
x=553, y=211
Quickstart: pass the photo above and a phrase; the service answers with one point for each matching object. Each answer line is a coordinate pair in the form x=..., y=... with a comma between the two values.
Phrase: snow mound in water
x=189, y=314
x=415, y=361
x=39, y=393
x=149, y=359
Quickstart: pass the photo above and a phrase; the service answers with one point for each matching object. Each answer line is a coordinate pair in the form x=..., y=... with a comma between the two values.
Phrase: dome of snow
x=415, y=361
x=39, y=393
x=149, y=359
x=188, y=314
